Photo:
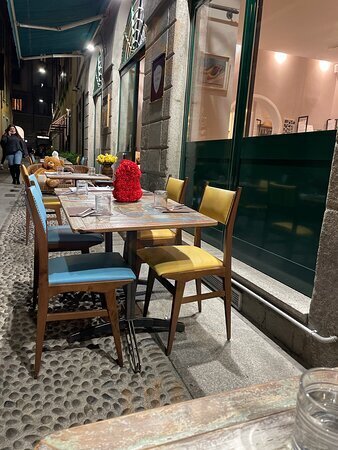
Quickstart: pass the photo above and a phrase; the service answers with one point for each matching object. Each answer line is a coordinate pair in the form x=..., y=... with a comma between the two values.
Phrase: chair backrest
x=176, y=189
x=33, y=168
x=39, y=216
x=33, y=181
x=25, y=175
x=222, y=205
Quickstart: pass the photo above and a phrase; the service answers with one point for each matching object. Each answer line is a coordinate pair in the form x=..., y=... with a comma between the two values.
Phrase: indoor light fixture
x=42, y=70
x=324, y=65
x=40, y=100
x=63, y=74
x=280, y=57
x=90, y=47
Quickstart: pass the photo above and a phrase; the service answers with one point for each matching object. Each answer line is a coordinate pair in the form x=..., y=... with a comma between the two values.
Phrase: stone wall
x=162, y=121
x=324, y=305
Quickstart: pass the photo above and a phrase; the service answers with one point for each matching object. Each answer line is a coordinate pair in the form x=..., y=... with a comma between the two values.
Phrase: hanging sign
x=157, y=78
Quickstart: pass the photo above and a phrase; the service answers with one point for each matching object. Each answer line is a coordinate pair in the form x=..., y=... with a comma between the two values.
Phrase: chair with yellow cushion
x=51, y=203
x=151, y=238
x=183, y=263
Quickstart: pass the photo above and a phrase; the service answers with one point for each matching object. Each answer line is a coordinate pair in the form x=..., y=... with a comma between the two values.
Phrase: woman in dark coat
x=14, y=148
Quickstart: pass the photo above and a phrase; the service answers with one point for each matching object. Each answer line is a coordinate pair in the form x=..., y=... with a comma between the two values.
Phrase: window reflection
x=296, y=85
x=216, y=61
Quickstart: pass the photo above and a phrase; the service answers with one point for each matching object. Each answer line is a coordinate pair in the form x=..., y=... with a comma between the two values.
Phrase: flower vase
x=108, y=169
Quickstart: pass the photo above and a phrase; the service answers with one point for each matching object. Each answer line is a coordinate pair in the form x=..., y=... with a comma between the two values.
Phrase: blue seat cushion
x=91, y=267
x=62, y=235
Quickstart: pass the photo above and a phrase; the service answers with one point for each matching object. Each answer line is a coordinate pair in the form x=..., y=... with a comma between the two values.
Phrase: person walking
x=14, y=148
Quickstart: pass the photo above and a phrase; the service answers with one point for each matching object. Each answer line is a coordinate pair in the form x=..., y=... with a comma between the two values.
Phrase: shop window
x=135, y=32
x=17, y=104
x=296, y=82
x=216, y=62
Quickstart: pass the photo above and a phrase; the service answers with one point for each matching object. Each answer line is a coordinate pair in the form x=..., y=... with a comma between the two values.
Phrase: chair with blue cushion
x=61, y=239
x=94, y=272
x=51, y=203
x=184, y=263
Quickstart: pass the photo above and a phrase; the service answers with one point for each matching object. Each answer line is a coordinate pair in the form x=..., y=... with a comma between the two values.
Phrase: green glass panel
x=284, y=180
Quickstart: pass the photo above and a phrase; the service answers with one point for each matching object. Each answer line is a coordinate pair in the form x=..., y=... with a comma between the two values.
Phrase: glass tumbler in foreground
x=91, y=171
x=60, y=169
x=316, y=426
x=160, y=199
x=103, y=204
x=82, y=187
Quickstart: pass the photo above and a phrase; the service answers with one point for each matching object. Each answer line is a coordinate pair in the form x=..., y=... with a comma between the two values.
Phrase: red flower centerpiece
x=127, y=186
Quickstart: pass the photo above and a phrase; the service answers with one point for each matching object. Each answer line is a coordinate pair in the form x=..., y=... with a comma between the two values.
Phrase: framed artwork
x=157, y=78
x=302, y=124
x=289, y=126
x=216, y=73
x=331, y=124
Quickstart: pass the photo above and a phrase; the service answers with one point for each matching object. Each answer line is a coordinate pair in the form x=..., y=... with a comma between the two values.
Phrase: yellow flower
x=106, y=158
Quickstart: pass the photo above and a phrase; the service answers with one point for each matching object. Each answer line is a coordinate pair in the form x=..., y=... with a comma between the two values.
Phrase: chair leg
x=35, y=279
x=27, y=225
x=41, y=326
x=58, y=215
x=227, y=307
x=175, y=310
x=150, y=285
x=198, y=283
x=115, y=326
x=137, y=267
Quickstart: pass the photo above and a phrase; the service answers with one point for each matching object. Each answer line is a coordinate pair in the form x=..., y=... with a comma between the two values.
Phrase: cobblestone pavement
x=78, y=383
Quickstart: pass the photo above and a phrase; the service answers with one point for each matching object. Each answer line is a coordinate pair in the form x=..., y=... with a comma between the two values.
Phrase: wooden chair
x=93, y=272
x=51, y=203
x=176, y=190
x=185, y=263
x=60, y=239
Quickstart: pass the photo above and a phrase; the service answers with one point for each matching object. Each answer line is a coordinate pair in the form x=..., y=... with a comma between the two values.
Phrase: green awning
x=44, y=28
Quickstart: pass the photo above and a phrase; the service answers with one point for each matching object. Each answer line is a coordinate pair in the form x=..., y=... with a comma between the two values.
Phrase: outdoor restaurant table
x=129, y=218
x=254, y=417
x=75, y=176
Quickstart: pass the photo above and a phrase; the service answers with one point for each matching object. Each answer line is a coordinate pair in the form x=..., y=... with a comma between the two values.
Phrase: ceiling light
x=42, y=70
x=324, y=65
x=280, y=57
x=40, y=100
x=90, y=47
x=63, y=74
x=41, y=85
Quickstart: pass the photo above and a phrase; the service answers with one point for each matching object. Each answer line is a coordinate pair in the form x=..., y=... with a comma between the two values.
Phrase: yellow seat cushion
x=51, y=201
x=153, y=235
x=171, y=259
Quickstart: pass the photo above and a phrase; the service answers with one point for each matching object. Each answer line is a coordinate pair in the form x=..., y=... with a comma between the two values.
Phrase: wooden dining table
x=128, y=218
x=75, y=176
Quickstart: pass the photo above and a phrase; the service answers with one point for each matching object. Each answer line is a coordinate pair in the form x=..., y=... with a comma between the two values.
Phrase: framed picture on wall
x=157, y=78
x=331, y=124
x=216, y=73
x=302, y=124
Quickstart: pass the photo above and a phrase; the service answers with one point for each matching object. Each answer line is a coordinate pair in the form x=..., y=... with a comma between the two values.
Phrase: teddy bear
x=50, y=164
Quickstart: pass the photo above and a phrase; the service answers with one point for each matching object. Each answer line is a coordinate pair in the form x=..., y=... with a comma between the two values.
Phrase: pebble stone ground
x=78, y=383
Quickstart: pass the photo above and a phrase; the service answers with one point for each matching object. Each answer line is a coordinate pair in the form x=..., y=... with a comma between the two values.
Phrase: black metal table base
x=131, y=327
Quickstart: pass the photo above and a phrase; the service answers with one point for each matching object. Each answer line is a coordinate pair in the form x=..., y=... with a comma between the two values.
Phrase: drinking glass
x=60, y=169
x=316, y=426
x=103, y=204
x=160, y=199
x=82, y=187
x=91, y=171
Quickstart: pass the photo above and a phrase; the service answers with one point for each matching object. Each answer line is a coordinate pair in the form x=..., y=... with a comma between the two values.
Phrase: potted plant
x=106, y=160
